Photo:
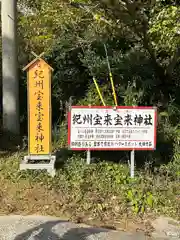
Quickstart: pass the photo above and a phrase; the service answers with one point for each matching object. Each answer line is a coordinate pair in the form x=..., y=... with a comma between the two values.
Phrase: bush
x=100, y=190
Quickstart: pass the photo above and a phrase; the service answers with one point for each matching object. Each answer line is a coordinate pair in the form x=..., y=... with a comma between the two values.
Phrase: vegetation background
x=143, y=42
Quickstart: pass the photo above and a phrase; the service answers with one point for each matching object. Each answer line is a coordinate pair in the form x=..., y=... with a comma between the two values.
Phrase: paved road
x=48, y=228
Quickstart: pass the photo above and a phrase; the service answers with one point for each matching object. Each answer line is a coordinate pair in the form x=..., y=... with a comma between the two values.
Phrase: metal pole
x=88, y=153
x=88, y=157
x=10, y=84
x=132, y=163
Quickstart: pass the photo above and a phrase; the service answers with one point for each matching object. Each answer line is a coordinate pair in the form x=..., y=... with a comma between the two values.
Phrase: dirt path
x=49, y=228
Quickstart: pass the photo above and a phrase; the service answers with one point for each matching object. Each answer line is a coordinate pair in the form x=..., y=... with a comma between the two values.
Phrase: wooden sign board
x=39, y=107
x=39, y=117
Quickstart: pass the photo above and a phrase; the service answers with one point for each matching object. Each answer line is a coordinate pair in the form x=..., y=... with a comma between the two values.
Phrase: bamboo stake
x=111, y=77
x=98, y=90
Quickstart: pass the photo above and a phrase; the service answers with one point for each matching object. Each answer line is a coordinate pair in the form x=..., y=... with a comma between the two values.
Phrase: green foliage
x=102, y=189
x=140, y=200
x=143, y=49
x=142, y=40
x=164, y=28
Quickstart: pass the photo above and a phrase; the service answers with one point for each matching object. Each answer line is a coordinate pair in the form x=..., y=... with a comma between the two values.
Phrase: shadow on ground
x=55, y=230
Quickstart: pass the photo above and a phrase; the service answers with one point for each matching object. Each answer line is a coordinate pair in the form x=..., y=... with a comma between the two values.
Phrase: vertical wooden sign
x=39, y=107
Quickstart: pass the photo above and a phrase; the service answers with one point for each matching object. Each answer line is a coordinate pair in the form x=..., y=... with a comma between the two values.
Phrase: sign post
x=103, y=128
x=132, y=163
x=88, y=153
x=88, y=157
x=39, y=117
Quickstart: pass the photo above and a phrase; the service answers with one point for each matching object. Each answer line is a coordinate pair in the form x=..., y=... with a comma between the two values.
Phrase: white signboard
x=106, y=128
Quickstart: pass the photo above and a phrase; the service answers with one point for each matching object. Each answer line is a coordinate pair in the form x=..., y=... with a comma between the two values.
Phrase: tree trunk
x=10, y=84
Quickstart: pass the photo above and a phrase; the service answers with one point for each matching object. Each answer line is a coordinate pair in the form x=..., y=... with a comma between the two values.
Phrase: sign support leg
x=132, y=163
x=88, y=153
x=40, y=162
x=88, y=157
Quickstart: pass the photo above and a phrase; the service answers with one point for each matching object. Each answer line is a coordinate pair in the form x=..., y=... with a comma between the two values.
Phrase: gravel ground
x=48, y=228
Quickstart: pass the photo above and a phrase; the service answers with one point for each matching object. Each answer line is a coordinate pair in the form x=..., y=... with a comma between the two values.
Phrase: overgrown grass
x=101, y=191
